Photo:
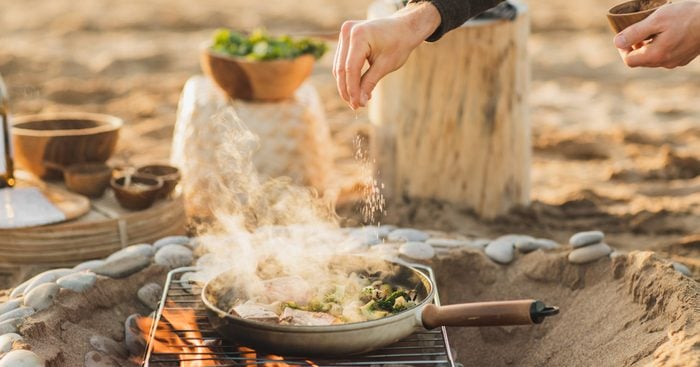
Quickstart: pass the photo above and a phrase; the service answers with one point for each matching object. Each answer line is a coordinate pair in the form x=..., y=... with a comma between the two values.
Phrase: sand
x=617, y=312
x=614, y=149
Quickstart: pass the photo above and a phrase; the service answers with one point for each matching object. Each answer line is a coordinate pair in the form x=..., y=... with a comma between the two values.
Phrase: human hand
x=384, y=44
x=669, y=37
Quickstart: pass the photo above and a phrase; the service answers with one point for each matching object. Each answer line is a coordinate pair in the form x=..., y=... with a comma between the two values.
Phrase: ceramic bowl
x=89, y=179
x=169, y=174
x=136, y=192
x=272, y=80
x=624, y=15
x=43, y=142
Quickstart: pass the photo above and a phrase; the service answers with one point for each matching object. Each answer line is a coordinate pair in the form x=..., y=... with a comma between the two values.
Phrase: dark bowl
x=141, y=193
x=89, y=179
x=169, y=174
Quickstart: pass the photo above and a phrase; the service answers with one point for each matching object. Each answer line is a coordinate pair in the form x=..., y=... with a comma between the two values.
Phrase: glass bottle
x=7, y=178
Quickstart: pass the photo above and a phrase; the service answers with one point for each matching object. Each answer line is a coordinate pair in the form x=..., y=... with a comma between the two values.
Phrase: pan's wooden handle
x=520, y=312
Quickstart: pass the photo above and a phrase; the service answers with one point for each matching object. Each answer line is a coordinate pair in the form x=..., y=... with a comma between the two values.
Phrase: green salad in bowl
x=260, y=46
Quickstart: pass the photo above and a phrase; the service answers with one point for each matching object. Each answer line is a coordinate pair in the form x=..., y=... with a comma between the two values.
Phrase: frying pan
x=362, y=337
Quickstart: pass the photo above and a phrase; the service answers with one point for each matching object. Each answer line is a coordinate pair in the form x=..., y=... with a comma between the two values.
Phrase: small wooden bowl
x=89, y=179
x=624, y=15
x=169, y=174
x=140, y=194
x=63, y=139
x=273, y=80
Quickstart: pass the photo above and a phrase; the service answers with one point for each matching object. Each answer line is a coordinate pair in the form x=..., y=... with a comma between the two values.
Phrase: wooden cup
x=624, y=15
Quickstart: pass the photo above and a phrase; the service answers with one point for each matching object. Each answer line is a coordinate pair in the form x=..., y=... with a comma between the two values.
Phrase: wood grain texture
x=453, y=123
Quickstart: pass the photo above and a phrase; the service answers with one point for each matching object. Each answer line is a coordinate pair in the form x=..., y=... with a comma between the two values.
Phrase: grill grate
x=429, y=348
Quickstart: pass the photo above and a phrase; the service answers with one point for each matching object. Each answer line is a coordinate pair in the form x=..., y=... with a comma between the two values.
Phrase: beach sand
x=615, y=149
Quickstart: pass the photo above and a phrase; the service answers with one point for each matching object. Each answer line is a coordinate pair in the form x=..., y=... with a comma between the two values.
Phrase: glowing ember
x=190, y=346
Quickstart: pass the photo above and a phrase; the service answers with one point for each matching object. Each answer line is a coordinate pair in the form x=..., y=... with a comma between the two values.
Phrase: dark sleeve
x=455, y=12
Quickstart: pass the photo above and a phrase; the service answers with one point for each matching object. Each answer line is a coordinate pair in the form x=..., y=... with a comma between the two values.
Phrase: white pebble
x=21, y=358
x=47, y=277
x=171, y=240
x=142, y=249
x=89, y=265
x=7, y=340
x=174, y=256
x=10, y=326
x=18, y=313
x=10, y=305
x=501, y=250
x=150, y=295
x=407, y=235
x=417, y=250
x=78, y=282
x=586, y=238
x=682, y=269
x=367, y=236
x=589, y=253
x=41, y=297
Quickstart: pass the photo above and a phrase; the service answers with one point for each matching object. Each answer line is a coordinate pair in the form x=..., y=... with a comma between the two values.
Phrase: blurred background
x=615, y=149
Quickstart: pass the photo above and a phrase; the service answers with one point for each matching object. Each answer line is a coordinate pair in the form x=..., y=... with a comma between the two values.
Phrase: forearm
x=453, y=13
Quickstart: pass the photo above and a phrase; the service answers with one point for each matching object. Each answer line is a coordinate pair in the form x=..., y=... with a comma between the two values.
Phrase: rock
x=589, y=253
x=97, y=359
x=109, y=346
x=407, y=235
x=143, y=249
x=135, y=343
x=501, y=250
x=89, y=265
x=617, y=253
x=682, y=269
x=11, y=305
x=450, y=242
x=122, y=268
x=525, y=245
x=481, y=243
x=41, y=297
x=20, y=313
x=150, y=295
x=367, y=235
x=385, y=229
x=47, y=277
x=78, y=282
x=174, y=256
x=171, y=240
x=10, y=326
x=586, y=238
x=21, y=358
x=6, y=341
x=18, y=291
x=188, y=283
x=417, y=250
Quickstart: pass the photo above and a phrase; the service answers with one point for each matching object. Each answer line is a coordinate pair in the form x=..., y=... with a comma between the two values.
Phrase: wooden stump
x=453, y=123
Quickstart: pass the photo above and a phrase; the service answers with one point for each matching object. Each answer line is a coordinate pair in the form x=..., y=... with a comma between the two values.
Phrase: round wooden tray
x=103, y=230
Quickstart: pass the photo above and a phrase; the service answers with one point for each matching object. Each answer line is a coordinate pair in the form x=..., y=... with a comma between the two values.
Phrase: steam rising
x=268, y=228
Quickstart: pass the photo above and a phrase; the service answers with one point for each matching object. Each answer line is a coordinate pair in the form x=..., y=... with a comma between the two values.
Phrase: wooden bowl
x=624, y=15
x=89, y=179
x=63, y=139
x=140, y=194
x=169, y=174
x=273, y=80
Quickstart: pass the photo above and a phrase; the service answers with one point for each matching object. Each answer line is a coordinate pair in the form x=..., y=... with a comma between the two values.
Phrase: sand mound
x=629, y=311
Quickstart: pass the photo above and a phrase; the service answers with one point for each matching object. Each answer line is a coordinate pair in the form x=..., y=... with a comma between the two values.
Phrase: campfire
x=181, y=335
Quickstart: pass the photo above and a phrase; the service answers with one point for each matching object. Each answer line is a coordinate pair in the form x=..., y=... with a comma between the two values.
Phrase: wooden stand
x=294, y=141
x=453, y=123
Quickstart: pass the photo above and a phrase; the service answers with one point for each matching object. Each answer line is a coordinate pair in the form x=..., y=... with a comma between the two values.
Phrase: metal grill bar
x=430, y=348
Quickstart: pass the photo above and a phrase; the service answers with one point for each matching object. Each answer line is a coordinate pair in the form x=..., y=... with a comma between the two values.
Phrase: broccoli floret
x=387, y=304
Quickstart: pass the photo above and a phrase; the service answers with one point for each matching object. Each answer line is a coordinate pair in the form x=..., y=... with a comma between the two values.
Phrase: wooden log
x=453, y=123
